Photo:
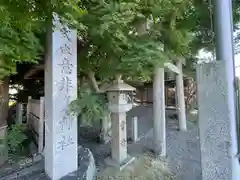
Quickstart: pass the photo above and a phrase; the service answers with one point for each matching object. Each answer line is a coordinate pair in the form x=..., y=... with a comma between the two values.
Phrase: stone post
x=214, y=122
x=28, y=109
x=181, y=99
x=223, y=30
x=159, y=122
x=134, y=129
x=19, y=113
x=60, y=89
x=119, y=137
x=41, y=126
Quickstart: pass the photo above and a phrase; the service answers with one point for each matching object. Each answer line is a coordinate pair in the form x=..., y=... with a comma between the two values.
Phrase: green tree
x=201, y=23
x=131, y=37
x=23, y=27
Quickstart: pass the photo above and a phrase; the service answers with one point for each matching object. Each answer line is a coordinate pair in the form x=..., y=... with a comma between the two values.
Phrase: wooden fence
x=3, y=144
x=144, y=95
x=35, y=120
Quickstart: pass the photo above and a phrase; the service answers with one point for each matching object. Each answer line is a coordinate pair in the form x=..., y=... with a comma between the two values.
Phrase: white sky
x=204, y=55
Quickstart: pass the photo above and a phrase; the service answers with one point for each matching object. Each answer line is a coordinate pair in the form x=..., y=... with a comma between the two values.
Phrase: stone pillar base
x=109, y=161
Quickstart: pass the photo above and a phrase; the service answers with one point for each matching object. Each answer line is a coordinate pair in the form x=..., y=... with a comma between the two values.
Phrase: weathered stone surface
x=214, y=122
x=159, y=119
x=86, y=169
x=60, y=90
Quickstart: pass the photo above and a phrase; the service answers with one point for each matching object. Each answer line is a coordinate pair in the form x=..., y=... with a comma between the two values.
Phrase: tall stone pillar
x=181, y=99
x=214, y=122
x=134, y=129
x=159, y=121
x=60, y=90
x=119, y=137
x=41, y=127
x=28, y=109
x=223, y=30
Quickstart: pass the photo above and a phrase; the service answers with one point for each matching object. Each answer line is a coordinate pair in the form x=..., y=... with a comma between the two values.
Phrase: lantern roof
x=120, y=86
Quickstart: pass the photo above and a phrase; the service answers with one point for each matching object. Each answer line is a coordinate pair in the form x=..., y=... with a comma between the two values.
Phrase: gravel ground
x=183, y=149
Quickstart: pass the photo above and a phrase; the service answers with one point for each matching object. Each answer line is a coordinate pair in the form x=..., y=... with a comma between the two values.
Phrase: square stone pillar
x=134, y=129
x=41, y=127
x=119, y=137
x=60, y=90
x=28, y=109
x=119, y=156
x=159, y=121
x=180, y=101
x=214, y=122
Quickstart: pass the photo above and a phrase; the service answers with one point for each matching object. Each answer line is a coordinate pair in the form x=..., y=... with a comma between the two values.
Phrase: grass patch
x=145, y=167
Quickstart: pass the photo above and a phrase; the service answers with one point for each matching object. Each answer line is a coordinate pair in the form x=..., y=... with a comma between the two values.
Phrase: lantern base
x=111, y=162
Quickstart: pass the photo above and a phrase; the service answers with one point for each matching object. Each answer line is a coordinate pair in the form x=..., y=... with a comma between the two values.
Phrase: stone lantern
x=120, y=98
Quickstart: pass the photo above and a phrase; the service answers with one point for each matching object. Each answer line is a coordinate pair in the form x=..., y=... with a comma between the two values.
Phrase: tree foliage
x=127, y=37
x=132, y=37
x=22, y=28
x=90, y=106
x=202, y=24
x=122, y=37
x=17, y=39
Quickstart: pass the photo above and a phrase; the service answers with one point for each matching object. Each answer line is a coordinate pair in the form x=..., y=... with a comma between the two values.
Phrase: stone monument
x=60, y=89
x=214, y=121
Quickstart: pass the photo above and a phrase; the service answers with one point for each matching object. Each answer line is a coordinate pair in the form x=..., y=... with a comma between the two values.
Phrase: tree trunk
x=4, y=98
x=118, y=78
x=93, y=82
x=105, y=127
